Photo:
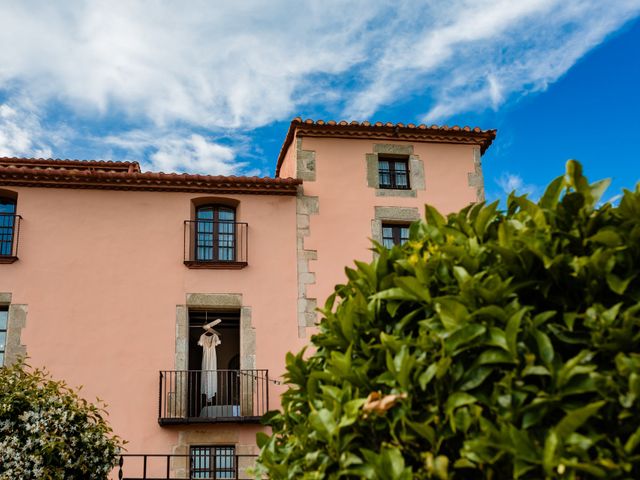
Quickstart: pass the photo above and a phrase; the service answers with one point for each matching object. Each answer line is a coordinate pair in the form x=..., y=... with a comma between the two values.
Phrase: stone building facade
x=108, y=274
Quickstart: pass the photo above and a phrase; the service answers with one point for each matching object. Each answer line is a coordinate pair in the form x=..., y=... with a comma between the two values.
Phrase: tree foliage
x=492, y=345
x=47, y=432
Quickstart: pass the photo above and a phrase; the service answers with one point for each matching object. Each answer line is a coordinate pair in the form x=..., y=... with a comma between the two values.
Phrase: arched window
x=7, y=225
x=215, y=233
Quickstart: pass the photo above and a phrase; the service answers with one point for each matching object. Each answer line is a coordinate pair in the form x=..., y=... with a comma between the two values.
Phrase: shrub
x=48, y=432
x=493, y=344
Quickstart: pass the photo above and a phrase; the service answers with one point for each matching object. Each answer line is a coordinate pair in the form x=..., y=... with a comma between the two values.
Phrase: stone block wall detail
x=16, y=321
x=476, y=179
x=416, y=170
x=305, y=162
x=305, y=207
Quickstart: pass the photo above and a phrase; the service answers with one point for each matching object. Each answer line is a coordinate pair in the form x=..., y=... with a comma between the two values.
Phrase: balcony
x=9, y=237
x=215, y=244
x=213, y=396
x=202, y=463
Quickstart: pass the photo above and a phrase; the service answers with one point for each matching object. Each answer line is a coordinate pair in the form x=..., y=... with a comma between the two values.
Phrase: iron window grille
x=393, y=173
x=394, y=234
x=215, y=240
x=9, y=230
x=213, y=462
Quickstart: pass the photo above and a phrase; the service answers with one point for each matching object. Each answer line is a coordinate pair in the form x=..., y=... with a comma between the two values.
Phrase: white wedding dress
x=209, y=379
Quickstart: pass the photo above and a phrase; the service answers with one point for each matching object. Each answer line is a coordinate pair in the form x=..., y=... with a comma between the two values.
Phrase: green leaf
x=458, y=400
x=552, y=193
x=617, y=284
x=549, y=452
x=632, y=442
x=493, y=356
x=463, y=336
x=452, y=313
x=413, y=286
x=434, y=217
x=511, y=332
x=576, y=418
x=545, y=347
x=474, y=377
x=427, y=376
x=485, y=216
x=609, y=237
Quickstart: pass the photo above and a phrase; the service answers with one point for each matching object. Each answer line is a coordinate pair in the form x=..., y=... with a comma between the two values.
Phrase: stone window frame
x=399, y=215
x=16, y=321
x=201, y=434
x=215, y=301
x=415, y=164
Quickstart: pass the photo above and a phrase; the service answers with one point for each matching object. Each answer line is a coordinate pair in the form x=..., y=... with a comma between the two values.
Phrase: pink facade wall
x=342, y=229
x=102, y=272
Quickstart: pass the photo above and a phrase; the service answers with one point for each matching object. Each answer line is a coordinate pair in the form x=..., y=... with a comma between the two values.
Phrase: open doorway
x=214, y=385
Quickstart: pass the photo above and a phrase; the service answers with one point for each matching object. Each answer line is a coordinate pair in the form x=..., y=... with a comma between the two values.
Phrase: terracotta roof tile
x=385, y=131
x=32, y=172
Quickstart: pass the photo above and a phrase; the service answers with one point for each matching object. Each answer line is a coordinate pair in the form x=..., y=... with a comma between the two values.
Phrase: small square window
x=213, y=462
x=394, y=234
x=393, y=173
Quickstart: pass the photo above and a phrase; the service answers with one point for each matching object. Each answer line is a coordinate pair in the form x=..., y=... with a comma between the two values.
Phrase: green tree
x=492, y=345
x=47, y=432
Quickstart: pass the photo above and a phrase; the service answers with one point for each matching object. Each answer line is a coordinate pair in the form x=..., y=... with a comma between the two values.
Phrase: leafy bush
x=492, y=345
x=48, y=432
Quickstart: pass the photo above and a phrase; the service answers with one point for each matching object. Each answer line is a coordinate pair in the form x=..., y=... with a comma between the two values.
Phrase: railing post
x=267, y=389
x=120, y=463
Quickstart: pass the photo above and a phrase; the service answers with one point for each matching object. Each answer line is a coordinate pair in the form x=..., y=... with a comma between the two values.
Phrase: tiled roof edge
x=119, y=180
x=389, y=131
x=131, y=167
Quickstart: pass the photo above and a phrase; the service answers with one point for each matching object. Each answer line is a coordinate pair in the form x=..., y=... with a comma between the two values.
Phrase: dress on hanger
x=209, y=379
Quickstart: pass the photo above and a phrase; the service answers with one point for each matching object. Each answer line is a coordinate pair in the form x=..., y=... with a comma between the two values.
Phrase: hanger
x=208, y=329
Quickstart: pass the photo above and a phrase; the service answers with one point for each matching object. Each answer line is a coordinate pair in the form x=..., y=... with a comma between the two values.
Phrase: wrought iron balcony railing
x=212, y=396
x=215, y=244
x=9, y=237
x=203, y=463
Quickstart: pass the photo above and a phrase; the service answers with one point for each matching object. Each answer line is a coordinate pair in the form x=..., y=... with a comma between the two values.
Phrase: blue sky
x=211, y=88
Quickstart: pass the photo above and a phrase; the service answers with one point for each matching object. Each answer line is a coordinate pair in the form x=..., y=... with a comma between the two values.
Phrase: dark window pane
x=393, y=173
x=394, y=234
x=3, y=319
x=215, y=238
x=213, y=463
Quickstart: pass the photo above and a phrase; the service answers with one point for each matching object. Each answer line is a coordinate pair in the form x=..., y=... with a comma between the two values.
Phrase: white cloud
x=228, y=67
x=175, y=152
x=21, y=133
x=510, y=182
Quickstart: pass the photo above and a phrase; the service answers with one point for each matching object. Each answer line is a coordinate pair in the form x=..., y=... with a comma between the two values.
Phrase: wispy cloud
x=21, y=133
x=208, y=69
x=513, y=182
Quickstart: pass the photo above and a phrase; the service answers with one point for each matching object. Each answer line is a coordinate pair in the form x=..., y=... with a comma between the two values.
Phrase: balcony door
x=223, y=399
x=215, y=234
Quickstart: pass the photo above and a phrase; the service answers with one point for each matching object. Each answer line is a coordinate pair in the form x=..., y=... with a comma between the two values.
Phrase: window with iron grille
x=4, y=319
x=394, y=234
x=213, y=462
x=7, y=225
x=215, y=234
x=393, y=172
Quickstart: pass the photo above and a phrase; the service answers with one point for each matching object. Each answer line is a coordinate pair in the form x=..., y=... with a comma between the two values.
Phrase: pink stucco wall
x=102, y=273
x=341, y=231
